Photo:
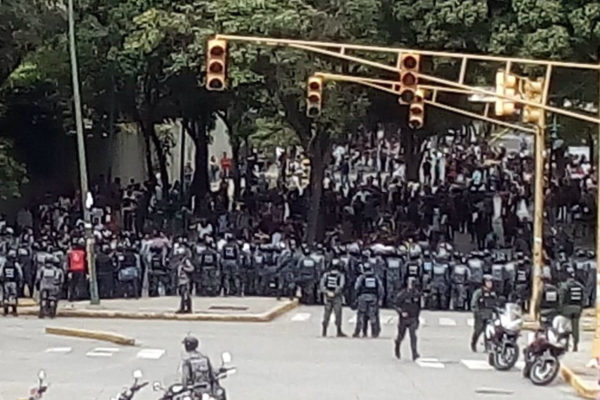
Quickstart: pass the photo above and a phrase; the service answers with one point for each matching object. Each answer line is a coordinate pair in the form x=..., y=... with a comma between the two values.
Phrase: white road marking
x=98, y=354
x=530, y=337
x=106, y=350
x=150, y=354
x=422, y=321
x=301, y=317
x=471, y=322
x=447, y=322
x=479, y=365
x=389, y=319
x=352, y=320
x=430, y=363
x=59, y=350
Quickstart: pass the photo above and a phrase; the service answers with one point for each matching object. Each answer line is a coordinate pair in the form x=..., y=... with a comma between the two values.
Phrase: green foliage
x=12, y=173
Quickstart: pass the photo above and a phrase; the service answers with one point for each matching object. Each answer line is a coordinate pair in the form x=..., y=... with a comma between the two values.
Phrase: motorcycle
x=542, y=356
x=501, y=336
x=128, y=393
x=178, y=391
x=37, y=392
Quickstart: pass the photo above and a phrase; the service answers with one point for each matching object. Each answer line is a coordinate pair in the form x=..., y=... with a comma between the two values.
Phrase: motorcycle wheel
x=544, y=370
x=505, y=360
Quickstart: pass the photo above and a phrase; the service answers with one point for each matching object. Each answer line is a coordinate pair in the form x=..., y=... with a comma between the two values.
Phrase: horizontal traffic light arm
x=387, y=86
x=395, y=50
x=324, y=48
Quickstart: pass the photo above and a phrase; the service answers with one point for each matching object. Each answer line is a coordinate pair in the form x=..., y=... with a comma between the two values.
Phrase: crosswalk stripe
x=422, y=321
x=150, y=354
x=98, y=354
x=447, y=322
x=520, y=365
x=471, y=322
x=480, y=365
x=352, y=320
x=106, y=349
x=389, y=320
x=59, y=350
x=300, y=317
x=430, y=363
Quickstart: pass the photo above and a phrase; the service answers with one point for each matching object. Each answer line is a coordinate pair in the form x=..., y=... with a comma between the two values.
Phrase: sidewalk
x=235, y=309
x=579, y=369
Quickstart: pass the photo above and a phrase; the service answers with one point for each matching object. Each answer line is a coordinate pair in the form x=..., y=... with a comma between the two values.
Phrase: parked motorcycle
x=177, y=391
x=501, y=336
x=129, y=393
x=37, y=392
x=542, y=356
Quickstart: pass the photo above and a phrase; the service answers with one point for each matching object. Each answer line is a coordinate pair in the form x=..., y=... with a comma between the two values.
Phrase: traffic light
x=506, y=84
x=533, y=92
x=216, y=65
x=416, y=110
x=409, y=64
x=314, y=96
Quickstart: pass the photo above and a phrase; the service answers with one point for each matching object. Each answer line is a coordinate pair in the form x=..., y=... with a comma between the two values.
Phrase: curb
x=96, y=335
x=263, y=317
x=576, y=383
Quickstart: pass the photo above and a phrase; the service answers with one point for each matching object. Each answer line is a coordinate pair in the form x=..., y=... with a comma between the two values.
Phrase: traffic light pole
x=596, y=343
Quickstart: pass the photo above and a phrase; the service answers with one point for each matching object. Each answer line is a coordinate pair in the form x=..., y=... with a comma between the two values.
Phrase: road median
x=88, y=334
x=584, y=388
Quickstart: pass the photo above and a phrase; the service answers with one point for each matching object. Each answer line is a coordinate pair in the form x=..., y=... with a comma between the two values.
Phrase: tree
x=12, y=174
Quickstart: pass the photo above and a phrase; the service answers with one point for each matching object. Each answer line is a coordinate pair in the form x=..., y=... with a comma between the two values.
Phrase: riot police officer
x=393, y=275
x=185, y=268
x=286, y=273
x=230, y=267
x=25, y=259
x=459, y=278
x=522, y=281
x=498, y=273
x=483, y=302
x=208, y=278
x=50, y=278
x=307, y=276
x=369, y=290
x=408, y=306
x=572, y=300
x=129, y=272
x=105, y=270
x=332, y=286
x=11, y=277
x=550, y=300
x=438, y=297
x=196, y=369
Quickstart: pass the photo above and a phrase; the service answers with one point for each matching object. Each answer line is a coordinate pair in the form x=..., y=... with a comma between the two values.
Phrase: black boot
x=397, y=349
x=324, y=331
x=340, y=333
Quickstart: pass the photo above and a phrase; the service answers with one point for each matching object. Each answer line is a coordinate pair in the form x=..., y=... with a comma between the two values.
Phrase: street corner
x=91, y=334
x=584, y=386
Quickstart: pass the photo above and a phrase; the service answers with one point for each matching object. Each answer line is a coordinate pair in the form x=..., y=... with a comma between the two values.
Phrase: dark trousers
x=76, y=285
x=185, y=305
x=411, y=324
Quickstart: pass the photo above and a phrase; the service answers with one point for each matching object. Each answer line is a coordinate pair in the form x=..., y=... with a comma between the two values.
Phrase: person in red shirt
x=225, y=165
x=77, y=271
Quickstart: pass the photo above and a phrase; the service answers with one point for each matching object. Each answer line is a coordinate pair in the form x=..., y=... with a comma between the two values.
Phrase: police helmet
x=570, y=271
x=9, y=231
x=487, y=278
x=12, y=253
x=500, y=257
x=190, y=343
x=415, y=253
x=581, y=253
x=591, y=254
x=53, y=260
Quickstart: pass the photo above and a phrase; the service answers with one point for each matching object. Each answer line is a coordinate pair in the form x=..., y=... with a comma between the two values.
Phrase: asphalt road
x=284, y=359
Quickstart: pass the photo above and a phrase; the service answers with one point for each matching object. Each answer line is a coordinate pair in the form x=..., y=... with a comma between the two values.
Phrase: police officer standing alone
x=369, y=290
x=571, y=297
x=230, y=261
x=185, y=268
x=483, y=302
x=332, y=286
x=408, y=306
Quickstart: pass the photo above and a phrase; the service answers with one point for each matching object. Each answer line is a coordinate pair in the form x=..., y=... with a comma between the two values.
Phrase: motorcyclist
x=11, y=277
x=50, y=278
x=196, y=368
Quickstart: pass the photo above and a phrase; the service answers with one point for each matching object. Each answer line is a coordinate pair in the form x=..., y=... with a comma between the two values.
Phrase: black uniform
x=408, y=306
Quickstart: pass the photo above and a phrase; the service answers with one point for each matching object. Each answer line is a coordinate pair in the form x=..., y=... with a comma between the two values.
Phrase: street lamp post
x=86, y=200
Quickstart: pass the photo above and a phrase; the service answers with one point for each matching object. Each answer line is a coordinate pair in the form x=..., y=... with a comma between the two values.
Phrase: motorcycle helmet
x=190, y=343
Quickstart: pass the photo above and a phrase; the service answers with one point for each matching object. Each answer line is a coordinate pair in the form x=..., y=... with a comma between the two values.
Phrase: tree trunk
x=162, y=159
x=148, y=155
x=235, y=170
x=200, y=183
x=318, y=164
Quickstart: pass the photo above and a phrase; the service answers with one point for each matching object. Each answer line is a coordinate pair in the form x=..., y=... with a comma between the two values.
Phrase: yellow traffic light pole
x=341, y=50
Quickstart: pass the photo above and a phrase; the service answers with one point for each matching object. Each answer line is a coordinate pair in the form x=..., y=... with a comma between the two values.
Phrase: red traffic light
x=409, y=79
x=217, y=51
x=314, y=98
x=314, y=85
x=410, y=62
x=216, y=67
